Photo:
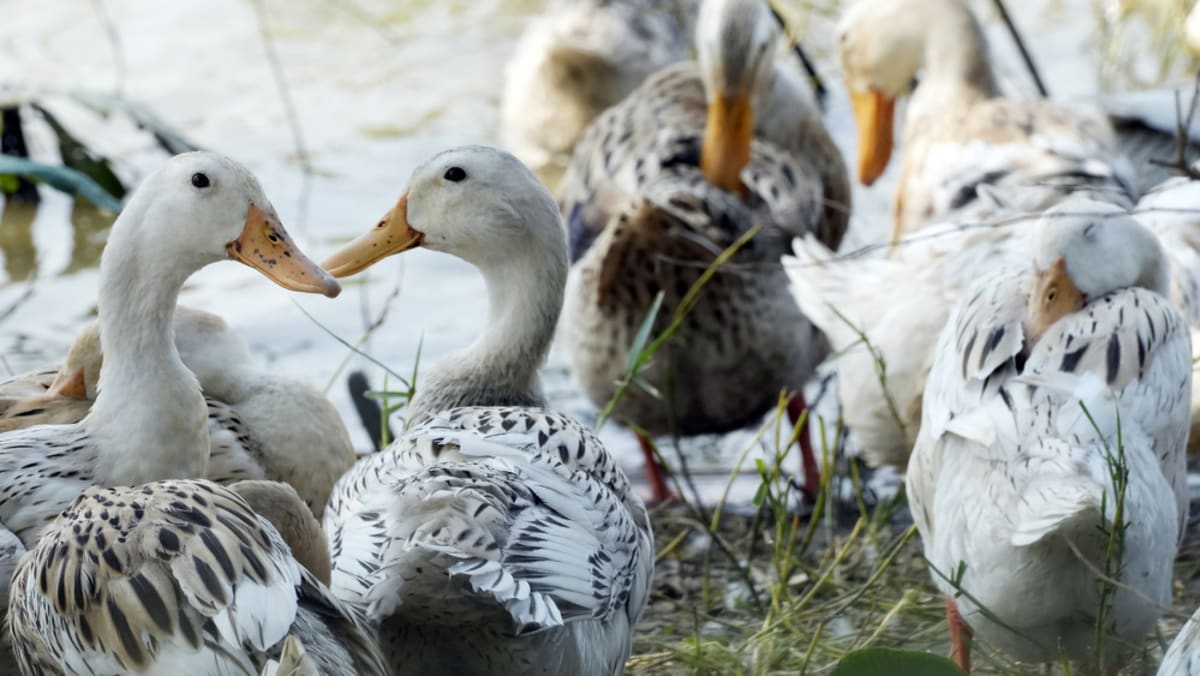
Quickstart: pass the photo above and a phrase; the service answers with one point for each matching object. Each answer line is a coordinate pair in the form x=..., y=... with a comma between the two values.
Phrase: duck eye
x=455, y=174
x=200, y=180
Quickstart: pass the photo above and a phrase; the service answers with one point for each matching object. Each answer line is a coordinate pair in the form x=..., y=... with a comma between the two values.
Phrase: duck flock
x=1022, y=350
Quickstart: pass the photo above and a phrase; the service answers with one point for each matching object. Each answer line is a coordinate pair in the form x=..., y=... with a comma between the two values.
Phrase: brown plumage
x=649, y=207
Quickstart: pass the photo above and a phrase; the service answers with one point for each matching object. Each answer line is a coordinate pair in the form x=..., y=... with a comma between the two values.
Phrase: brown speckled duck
x=662, y=183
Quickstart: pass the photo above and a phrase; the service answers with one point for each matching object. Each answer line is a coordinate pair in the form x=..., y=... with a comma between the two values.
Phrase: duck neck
x=500, y=368
x=957, y=67
x=149, y=420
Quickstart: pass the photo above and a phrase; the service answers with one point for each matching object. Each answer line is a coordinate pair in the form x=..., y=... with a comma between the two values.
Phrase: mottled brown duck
x=658, y=186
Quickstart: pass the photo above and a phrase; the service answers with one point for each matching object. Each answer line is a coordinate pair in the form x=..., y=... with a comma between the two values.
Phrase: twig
x=354, y=349
x=289, y=107
x=814, y=77
x=1183, y=126
x=1025, y=55
x=16, y=304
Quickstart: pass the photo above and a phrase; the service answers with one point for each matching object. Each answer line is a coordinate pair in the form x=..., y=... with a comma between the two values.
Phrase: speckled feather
x=1008, y=467
x=795, y=168
x=1017, y=155
x=172, y=577
x=642, y=219
x=510, y=525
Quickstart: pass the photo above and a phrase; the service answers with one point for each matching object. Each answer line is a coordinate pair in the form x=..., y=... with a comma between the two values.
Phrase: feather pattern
x=1014, y=463
x=172, y=577
x=643, y=219
x=511, y=525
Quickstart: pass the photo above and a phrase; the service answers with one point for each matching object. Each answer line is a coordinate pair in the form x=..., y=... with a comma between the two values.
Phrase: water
x=377, y=87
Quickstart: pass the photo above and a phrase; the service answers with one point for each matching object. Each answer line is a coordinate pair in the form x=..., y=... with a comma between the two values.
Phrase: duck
x=184, y=576
x=882, y=316
x=1051, y=379
x=657, y=187
x=964, y=143
x=493, y=536
x=1169, y=211
x=576, y=59
x=886, y=312
x=149, y=421
x=261, y=425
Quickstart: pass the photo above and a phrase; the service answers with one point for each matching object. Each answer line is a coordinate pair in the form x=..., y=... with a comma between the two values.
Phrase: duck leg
x=960, y=636
x=796, y=407
x=660, y=491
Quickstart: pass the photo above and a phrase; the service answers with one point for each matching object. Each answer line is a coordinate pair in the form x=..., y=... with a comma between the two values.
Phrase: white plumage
x=494, y=537
x=1011, y=482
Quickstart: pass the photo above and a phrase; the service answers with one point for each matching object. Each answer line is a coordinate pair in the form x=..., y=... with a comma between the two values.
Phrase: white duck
x=1011, y=481
x=261, y=425
x=882, y=317
x=962, y=140
x=901, y=303
x=494, y=537
x=1170, y=211
x=578, y=57
x=149, y=421
x=183, y=577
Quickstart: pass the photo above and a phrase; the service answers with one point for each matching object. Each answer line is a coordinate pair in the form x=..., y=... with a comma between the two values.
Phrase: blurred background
x=332, y=103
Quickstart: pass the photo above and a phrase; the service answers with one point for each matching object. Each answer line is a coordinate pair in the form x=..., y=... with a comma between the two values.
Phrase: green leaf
x=876, y=661
x=61, y=178
x=9, y=183
x=760, y=495
x=643, y=334
x=79, y=157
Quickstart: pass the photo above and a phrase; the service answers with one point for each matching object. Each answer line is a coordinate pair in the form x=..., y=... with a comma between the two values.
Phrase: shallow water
x=377, y=87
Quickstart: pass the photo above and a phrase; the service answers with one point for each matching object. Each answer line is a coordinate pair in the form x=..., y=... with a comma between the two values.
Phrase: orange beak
x=1053, y=296
x=873, y=114
x=68, y=384
x=265, y=246
x=392, y=235
x=728, y=133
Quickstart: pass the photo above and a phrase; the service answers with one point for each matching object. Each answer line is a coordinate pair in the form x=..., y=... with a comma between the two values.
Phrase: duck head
x=1084, y=249
x=736, y=41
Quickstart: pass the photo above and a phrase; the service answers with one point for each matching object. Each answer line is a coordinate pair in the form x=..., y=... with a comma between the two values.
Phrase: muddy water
x=377, y=86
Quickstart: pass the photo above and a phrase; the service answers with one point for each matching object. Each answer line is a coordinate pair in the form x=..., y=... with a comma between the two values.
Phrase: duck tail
x=1062, y=495
x=821, y=288
x=1057, y=505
